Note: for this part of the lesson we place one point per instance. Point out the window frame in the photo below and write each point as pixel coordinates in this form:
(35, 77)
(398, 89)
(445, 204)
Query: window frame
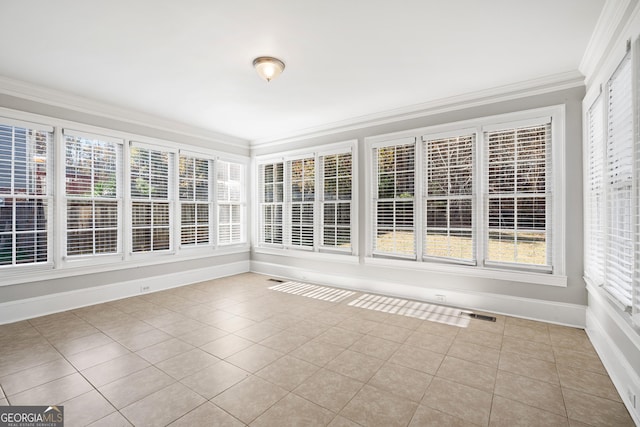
(318, 249)
(323, 201)
(375, 198)
(549, 191)
(48, 197)
(274, 204)
(194, 200)
(557, 277)
(119, 198)
(303, 204)
(629, 307)
(424, 140)
(170, 201)
(242, 203)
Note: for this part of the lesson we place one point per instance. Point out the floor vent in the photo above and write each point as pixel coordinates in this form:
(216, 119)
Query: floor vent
(419, 310)
(313, 291)
(482, 317)
(276, 280)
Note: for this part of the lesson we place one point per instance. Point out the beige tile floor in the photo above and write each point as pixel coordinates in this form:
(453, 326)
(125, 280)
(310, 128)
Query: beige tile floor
(231, 352)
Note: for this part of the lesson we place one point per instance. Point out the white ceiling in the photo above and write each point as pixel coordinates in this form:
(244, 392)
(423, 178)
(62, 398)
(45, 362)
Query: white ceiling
(190, 60)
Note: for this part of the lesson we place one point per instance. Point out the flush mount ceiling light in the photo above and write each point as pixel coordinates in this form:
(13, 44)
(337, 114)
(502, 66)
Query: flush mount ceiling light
(267, 67)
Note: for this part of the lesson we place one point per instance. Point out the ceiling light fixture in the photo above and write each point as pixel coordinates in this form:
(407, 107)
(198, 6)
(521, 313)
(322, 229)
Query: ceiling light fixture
(268, 68)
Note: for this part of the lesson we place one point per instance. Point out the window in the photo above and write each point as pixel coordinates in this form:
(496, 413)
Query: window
(301, 197)
(80, 198)
(25, 192)
(305, 200)
(195, 200)
(230, 202)
(394, 232)
(477, 193)
(518, 195)
(271, 189)
(448, 204)
(594, 194)
(619, 182)
(336, 200)
(611, 221)
(93, 194)
(150, 199)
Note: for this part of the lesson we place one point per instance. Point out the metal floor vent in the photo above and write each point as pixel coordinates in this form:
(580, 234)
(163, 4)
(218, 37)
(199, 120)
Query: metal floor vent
(313, 291)
(419, 310)
(482, 317)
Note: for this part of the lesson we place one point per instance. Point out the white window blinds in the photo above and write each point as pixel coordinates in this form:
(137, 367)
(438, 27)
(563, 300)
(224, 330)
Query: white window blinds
(150, 199)
(393, 200)
(230, 203)
(619, 174)
(25, 201)
(594, 195)
(518, 198)
(93, 194)
(301, 202)
(195, 200)
(336, 196)
(448, 203)
(271, 198)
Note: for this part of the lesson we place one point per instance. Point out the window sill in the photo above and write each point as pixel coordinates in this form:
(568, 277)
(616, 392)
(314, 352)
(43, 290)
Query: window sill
(473, 271)
(625, 321)
(346, 257)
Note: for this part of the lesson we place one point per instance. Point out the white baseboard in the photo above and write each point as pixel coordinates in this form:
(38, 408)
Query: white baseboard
(14, 311)
(621, 371)
(526, 308)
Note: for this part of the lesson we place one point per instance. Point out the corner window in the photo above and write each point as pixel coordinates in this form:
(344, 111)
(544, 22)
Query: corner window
(610, 204)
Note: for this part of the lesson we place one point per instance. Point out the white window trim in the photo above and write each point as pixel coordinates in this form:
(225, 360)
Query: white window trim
(79, 260)
(600, 93)
(39, 126)
(317, 250)
(174, 232)
(322, 202)
(474, 197)
(483, 183)
(211, 193)
(555, 278)
(242, 203)
(257, 224)
(417, 192)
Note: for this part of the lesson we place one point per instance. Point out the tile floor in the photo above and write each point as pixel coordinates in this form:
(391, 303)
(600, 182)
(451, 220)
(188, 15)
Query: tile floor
(230, 352)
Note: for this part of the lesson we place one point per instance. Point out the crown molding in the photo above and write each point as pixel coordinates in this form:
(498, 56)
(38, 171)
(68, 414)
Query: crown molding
(56, 98)
(614, 16)
(532, 87)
